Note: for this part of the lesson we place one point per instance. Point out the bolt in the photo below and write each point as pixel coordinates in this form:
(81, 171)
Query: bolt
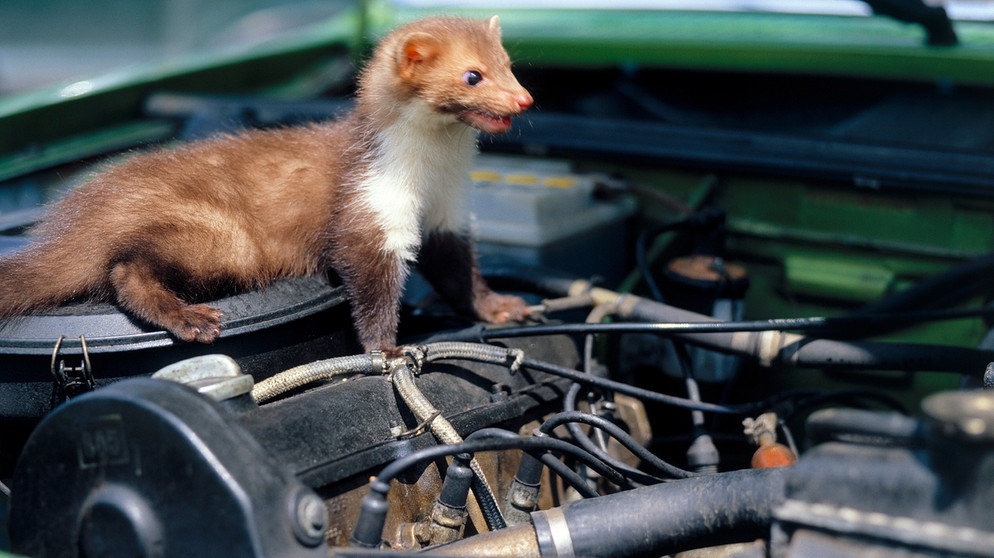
(498, 393)
(311, 519)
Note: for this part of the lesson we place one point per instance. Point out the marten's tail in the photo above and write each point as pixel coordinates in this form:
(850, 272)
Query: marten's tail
(45, 275)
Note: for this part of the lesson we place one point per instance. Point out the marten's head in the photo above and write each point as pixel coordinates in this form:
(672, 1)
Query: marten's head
(456, 67)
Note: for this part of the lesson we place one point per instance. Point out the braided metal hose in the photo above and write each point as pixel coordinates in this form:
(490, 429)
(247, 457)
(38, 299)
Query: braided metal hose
(403, 380)
(299, 376)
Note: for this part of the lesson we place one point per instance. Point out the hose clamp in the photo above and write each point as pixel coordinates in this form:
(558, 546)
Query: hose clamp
(552, 532)
(416, 356)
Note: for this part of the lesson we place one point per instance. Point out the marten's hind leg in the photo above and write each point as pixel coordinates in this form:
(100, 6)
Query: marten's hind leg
(140, 292)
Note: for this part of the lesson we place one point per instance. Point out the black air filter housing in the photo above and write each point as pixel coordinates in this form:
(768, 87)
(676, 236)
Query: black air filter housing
(291, 322)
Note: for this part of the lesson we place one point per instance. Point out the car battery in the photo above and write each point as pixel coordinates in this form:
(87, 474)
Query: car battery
(539, 212)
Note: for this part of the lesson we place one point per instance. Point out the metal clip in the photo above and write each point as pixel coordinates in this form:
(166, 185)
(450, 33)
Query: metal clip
(419, 429)
(70, 381)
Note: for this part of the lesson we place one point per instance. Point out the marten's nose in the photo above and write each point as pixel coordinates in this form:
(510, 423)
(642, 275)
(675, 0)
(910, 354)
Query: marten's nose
(524, 100)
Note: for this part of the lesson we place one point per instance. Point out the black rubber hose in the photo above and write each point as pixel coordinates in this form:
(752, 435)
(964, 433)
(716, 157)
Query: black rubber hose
(945, 289)
(854, 355)
(666, 518)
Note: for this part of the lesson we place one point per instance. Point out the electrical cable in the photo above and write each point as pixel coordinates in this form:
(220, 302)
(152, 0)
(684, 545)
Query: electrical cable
(368, 530)
(580, 454)
(788, 436)
(568, 475)
(772, 347)
(665, 399)
(699, 221)
(572, 417)
(569, 406)
(634, 391)
(702, 454)
(778, 324)
(641, 327)
(641, 256)
(948, 287)
(647, 457)
(767, 340)
(596, 315)
(693, 390)
(658, 195)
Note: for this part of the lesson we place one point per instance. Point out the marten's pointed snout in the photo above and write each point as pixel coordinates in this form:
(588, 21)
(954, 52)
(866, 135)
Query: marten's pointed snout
(524, 101)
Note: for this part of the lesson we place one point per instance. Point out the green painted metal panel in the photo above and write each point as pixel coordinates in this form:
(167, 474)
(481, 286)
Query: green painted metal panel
(294, 67)
(874, 47)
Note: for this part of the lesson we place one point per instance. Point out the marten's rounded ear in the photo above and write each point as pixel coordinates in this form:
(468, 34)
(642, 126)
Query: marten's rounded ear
(417, 48)
(494, 24)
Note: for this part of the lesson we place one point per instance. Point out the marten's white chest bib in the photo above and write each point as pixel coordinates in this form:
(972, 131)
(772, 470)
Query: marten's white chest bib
(416, 178)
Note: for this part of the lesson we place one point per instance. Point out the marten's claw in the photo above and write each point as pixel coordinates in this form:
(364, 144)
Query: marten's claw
(501, 309)
(200, 322)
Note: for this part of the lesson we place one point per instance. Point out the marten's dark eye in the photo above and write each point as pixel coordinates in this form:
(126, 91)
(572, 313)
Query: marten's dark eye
(472, 78)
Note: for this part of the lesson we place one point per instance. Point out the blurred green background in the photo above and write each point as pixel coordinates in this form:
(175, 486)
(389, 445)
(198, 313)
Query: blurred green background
(49, 42)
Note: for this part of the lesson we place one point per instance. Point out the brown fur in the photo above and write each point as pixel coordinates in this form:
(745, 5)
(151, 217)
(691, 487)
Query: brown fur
(164, 228)
(448, 262)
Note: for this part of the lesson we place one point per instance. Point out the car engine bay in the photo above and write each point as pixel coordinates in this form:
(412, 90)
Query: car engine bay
(759, 329)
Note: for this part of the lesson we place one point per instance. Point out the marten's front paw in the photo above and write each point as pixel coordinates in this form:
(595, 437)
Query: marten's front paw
(198, 322)
(500, 309)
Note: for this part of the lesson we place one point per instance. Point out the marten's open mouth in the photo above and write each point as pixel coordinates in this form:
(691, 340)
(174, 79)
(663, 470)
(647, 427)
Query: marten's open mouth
(486, 122)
